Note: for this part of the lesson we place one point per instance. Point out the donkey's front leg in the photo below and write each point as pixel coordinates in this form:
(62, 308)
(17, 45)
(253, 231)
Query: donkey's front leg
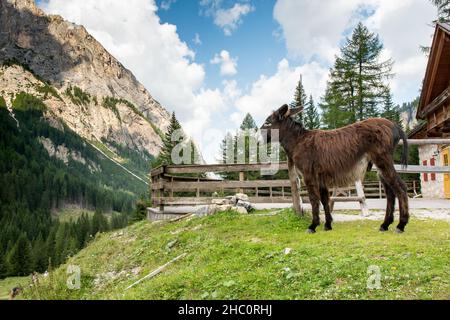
(314, 198)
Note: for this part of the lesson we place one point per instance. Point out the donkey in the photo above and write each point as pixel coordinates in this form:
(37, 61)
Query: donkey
(337, 158)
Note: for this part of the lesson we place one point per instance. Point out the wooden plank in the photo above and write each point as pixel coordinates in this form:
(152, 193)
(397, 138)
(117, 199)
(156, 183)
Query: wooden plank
(216, 185)
(436, 103)
(223, 168)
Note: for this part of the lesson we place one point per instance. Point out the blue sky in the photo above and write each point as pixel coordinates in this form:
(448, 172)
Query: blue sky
(254, 42)
(252, 52)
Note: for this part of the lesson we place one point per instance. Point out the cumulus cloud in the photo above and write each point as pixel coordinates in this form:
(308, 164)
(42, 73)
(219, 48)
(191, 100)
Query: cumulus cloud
(313, 30)
(228, 65)
(270, 92)
(197, 40)
(227, 19)
(133, 33)
(166, 4)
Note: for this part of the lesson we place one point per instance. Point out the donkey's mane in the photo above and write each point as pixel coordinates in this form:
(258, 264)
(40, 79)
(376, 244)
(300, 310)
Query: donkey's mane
(296, 127)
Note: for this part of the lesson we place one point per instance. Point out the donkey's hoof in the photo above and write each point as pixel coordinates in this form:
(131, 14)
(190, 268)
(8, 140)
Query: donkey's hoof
(383, 229)
(310, 231)
(399, 231)
(328, 228)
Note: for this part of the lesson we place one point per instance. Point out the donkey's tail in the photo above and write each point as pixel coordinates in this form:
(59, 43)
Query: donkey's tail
(401, 135)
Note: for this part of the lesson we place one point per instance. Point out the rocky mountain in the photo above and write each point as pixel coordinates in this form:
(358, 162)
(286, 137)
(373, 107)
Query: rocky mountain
(80, 82)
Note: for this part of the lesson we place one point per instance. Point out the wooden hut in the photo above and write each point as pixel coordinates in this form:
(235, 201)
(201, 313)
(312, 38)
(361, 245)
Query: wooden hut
(433, 114)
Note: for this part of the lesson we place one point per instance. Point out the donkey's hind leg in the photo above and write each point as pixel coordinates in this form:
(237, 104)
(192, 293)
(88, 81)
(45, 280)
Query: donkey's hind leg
(390, 199)
(399, 188)
(314, 199)
(325, 199)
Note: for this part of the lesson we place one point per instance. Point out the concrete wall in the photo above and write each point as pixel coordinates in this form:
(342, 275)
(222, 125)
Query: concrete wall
(432, 189)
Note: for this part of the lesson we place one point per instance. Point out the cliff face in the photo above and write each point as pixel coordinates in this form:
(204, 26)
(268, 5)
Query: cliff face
(96, 96)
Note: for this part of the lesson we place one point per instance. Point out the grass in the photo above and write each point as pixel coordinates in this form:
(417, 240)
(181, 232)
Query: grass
(242, 257)
(7, 284)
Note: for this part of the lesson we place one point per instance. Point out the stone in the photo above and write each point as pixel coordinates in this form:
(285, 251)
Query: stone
(242, 196)
(240, 210)
(245, 204)
(226, 207)
(231, 199)
(207, 210)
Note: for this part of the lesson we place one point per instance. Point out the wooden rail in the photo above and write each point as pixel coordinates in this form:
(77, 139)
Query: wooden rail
(170, 189)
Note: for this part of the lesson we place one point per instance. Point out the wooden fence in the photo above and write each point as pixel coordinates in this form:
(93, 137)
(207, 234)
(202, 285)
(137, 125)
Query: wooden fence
(168, 188)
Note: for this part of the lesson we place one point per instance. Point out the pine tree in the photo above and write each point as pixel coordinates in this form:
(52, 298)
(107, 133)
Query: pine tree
(300, 99)
(3, 268)
(390, 111)
(311, 116)
(443, 10)
(358, 79)
(165, 156)
(20, 258)
(40, 255)
(248, 123)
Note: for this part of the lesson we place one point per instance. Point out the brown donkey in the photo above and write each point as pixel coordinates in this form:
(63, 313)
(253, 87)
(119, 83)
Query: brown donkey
(337, 158)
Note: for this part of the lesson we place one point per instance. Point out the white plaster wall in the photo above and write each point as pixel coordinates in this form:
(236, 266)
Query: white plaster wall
(432, 189)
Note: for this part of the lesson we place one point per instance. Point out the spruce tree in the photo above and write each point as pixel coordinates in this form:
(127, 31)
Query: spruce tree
(3, 268)
(300, 99)
(358, 79)
(165, 156)
(443, 7)
(311, 115)
(20, 258)
(390, 111)
(40, 255)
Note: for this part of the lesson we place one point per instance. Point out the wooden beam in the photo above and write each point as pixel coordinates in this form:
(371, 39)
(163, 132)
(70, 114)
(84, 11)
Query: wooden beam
(294, 188)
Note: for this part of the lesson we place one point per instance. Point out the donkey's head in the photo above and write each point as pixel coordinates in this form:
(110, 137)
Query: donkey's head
(277, 118)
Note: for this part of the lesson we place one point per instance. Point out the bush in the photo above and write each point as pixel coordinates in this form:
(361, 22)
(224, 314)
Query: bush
(27, 102)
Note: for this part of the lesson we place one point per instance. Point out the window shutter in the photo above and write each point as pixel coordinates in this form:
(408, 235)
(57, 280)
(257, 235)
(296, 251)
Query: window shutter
(425, 175)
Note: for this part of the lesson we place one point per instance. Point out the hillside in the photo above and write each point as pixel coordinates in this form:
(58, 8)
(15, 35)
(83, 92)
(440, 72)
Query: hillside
(244, 257)
(77, 132)
(67, 57)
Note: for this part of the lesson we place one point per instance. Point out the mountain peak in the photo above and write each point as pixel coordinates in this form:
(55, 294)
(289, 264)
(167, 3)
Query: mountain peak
(66, 56)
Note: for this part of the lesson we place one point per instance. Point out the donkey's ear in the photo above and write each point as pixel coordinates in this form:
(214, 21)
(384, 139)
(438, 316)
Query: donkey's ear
(283, 112)
(295, 111)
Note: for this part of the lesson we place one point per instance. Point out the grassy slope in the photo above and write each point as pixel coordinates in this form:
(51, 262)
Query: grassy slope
(241, 257)
(7, 284)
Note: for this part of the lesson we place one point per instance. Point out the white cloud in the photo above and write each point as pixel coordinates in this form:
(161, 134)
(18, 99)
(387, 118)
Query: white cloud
(269, 93)
(227, 19)
(314, 30)
(133, 33)
(166, 4)
(197, 40)
(228, 65)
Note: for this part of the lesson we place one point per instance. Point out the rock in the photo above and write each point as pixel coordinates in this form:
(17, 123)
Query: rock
(220, 202)
(64, 54)
(240, 210)
(245, 204)
(287, 251)
(207, 210)
(232, 200)
(242, 196)
(226, 207)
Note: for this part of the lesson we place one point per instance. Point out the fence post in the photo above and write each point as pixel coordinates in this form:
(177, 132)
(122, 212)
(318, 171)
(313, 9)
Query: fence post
(241, 179)
(294, 188)
(379, 189)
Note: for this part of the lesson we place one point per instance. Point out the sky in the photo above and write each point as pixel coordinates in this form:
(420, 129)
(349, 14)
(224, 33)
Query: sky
(212, 61)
